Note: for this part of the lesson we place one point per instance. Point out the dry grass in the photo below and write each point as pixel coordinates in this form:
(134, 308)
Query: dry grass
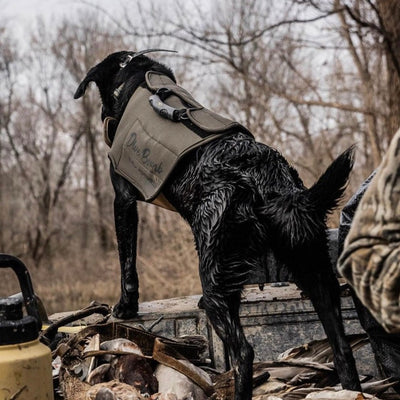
(167, 266)
(72, 282)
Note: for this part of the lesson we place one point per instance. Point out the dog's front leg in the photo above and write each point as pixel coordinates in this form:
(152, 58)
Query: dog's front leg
(126, 224)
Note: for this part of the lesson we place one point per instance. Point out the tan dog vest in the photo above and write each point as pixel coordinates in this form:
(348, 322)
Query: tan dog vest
(147, 146)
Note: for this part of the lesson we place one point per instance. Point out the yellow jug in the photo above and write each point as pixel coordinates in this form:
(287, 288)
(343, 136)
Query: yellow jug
(25, 363)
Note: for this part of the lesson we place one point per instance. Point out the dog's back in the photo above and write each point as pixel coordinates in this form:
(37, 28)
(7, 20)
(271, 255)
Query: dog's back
(261, 187)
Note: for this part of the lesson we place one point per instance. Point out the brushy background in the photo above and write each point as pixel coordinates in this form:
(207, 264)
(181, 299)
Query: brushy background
(308, 78)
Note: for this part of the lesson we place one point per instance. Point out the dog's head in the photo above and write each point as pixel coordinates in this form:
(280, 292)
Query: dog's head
(118, 76)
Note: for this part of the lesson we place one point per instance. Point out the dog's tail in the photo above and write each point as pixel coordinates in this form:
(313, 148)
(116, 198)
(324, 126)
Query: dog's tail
(296, 218)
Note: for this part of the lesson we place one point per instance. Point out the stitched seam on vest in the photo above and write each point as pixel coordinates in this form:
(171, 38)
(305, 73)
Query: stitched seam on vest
(198, 131)
(155, 139)
(125, 175)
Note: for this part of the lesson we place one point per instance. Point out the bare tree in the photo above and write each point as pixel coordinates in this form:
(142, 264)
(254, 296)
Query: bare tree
(8, 57)
(42, 150)
(270, 73)
(379, 19)
(79, 46)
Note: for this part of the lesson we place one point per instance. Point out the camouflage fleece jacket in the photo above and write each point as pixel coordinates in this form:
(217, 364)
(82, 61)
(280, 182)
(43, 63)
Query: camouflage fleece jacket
(370, 261)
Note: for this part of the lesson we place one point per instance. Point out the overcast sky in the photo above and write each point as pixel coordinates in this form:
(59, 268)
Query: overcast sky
(19, 14)
(25, 10)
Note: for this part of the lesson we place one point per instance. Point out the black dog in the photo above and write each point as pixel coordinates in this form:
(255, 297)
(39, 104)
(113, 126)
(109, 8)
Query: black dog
(241, 199)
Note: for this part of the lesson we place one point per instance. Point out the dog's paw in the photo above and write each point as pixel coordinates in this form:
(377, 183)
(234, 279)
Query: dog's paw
(125, 311)
(200, 304)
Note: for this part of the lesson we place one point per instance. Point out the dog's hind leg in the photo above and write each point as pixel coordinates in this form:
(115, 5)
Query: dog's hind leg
(223, 313)
(315, 277)
(126, 223)
(221, 246)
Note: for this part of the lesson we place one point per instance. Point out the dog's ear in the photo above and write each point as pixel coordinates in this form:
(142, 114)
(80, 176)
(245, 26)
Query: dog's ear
(90, 77)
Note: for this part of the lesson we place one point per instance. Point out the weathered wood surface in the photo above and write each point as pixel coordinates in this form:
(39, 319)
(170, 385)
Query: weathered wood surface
(274, 320)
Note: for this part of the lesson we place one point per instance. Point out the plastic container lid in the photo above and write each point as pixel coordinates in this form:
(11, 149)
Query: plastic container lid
(10, 309)
(14, 328)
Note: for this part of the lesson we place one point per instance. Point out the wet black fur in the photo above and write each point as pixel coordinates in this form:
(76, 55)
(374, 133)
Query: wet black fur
(241, 199)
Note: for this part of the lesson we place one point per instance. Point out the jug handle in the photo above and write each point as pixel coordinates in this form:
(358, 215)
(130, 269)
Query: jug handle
(25, 282)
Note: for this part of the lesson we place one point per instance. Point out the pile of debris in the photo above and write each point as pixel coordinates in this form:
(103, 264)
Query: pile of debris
(116, 362)
(306, 372)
